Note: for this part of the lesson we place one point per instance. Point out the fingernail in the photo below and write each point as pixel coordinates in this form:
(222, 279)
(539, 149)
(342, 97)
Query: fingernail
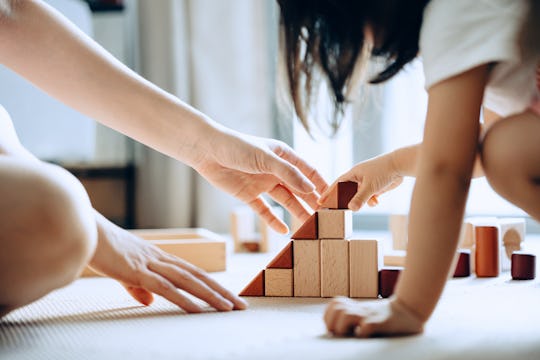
(226, 305)
(241, 304)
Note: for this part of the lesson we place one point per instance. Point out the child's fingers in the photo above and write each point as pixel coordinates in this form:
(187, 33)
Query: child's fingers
(363, 194)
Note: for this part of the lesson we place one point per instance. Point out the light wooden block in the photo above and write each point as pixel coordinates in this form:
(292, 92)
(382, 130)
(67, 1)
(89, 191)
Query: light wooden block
(334, 267)
(364, 265)
(197, 246)
(269, 235)
(395, 258)
(512, 234)
(243, 227)
(278, 282)
(399, 227)
(334, 224)
(307, 264)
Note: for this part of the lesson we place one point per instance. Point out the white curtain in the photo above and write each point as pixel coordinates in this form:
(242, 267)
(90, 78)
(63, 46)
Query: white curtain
(215, 55)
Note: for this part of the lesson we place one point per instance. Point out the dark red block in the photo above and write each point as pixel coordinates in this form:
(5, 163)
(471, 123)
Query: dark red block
(388, 278)
(346, 191)
(523, 266)
(463, 265)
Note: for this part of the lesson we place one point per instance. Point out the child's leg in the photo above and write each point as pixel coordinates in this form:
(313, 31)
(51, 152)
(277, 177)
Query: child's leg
(511, 160)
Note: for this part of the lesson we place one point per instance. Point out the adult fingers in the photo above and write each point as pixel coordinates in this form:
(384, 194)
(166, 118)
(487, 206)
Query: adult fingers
(286, 198)
(261, 207)
(239, 303)
(291, 176)
(186, 281)
(163, 287)
(143, 296)
(309, 171)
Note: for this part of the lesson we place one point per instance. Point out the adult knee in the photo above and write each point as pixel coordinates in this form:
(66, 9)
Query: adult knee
(48, 230)
(67, 219)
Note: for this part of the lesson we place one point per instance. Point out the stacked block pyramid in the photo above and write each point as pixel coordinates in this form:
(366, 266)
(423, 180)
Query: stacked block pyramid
(324, 259)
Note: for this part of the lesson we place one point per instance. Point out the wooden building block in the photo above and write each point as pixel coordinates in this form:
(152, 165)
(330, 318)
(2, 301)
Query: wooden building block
(395, 258)
(340, 195)
(463, 263)
(487, 251)
(307, 265)
(512, 235)
(388, 278)
(335, 224)
(201, 247)
(334, 267)
(364, 265)
(255, 287)
(309, 230)
(278, 282)
(243, 227)
(283, 260)
(467, 239)
(523, 266)
(399, 227)
(267, 234)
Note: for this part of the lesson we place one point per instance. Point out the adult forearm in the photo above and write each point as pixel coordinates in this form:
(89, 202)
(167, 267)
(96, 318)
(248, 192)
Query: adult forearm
(42, 46)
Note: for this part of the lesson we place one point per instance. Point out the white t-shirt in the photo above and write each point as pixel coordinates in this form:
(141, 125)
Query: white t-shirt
(458, 35)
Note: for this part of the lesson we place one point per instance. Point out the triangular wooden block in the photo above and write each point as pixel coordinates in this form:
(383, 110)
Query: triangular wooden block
(309, 230)
(283, 260)
(255, 287)
(340, 195)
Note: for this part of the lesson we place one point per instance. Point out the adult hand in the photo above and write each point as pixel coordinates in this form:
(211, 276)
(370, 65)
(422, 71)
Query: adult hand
(248, 166)
(144, 269)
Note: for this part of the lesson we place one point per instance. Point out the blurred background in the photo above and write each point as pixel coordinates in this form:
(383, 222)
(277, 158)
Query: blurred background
(220, 57)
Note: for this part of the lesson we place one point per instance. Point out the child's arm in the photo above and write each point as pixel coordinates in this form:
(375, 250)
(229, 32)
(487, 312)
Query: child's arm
(444, 171)
(41, 45)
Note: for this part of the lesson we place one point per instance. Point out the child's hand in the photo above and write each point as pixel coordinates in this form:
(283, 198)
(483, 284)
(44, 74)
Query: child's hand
(374, 177)
(346, 317)
(144, 269)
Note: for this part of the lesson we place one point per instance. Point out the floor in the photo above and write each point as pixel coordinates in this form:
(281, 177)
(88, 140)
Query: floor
(95, 319)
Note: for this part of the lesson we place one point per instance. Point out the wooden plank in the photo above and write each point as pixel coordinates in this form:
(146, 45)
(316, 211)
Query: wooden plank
(334, 267)
(278, 282)
(364, 265)
(399, 227)
(307, 262)
(395, 258)
(335, 224)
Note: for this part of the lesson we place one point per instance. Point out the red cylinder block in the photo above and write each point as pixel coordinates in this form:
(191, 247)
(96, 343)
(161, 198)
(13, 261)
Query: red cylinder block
(523, 266)
(487, 251)
(463, 265)
(388, 278)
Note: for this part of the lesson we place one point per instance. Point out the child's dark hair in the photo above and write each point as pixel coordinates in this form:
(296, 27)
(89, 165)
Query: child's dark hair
(329, 35)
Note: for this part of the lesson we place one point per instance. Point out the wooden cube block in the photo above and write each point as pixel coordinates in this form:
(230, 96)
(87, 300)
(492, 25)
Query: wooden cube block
(255, 287)
(278, 282)
(334, 224)
(334, 267)
(395, 258)
(307, 268)
(364, 264)
(463, 263)
(399, 227)
(243, 227)
(309, 230)
(388, 278)
(340, 195)
(487, 251)
(523, 266)
(512, 235)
